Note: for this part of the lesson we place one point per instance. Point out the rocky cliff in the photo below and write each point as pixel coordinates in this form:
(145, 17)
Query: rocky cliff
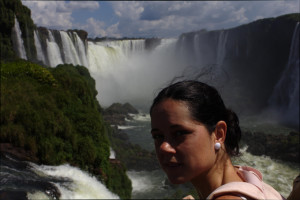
(247, 61)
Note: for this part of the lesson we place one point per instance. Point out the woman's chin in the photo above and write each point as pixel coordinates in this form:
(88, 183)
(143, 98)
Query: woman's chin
(177, 180)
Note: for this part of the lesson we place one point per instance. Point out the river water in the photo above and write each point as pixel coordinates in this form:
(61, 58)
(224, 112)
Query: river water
(67, 182)
(278, 174)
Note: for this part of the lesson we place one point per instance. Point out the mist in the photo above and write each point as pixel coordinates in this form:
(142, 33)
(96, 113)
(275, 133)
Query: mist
(254, 73)
(133, 76)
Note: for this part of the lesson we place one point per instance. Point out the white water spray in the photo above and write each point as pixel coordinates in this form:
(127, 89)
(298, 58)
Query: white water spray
(122, 78)
(197, 48)
(222, 47)
(81, 50)
(112, 153)
(18, 41)
(285, 97)
(77, 184)
(39, 51)
(54, 55)
(71, 55)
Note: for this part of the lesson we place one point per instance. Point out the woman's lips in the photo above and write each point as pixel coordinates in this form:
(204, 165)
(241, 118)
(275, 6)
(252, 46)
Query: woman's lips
(172, 164)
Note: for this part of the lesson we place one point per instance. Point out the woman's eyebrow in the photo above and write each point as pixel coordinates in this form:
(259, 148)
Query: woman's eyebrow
(177, 126)
(172, 127)
(154, 130)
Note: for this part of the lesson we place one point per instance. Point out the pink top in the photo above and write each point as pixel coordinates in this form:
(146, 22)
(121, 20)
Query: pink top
(252, 188)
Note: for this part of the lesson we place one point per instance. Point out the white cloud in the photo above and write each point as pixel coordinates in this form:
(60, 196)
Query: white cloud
(45, 13)
(175, 17)
(56, 14)
(97, 28)
(156, 18)
(87, 5)
(129, 10)
(113, 31)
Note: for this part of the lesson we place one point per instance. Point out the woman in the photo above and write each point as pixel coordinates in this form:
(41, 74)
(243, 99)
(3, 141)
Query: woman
(195, 135)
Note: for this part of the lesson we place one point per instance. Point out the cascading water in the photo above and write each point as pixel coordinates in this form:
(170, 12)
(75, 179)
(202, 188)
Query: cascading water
(54, 55)
(18, 41)
(81, 50)
(71, 55)
(221, 49)
(39, 50)
(124, 71)
(128, 47)
(49, 182)
(102, 57)
(285, 97)
(75, 183)
(112, 154)
(196, 47)
(118, 73)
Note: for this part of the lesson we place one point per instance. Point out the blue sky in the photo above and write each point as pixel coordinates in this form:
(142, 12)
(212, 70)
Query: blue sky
(152, 18)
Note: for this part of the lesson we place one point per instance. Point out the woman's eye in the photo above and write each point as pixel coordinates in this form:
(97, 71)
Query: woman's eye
(179, 133)
(157, 136)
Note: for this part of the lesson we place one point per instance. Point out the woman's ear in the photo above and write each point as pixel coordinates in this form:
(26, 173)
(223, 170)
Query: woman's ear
(220, 131)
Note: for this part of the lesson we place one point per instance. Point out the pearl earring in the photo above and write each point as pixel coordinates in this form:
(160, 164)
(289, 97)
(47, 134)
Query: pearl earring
(217, 146)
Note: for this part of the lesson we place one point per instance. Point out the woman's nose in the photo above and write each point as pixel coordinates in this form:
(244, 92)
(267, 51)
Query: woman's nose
(167, 147)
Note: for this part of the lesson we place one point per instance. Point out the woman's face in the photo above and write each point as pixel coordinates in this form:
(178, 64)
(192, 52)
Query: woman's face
(184, 147)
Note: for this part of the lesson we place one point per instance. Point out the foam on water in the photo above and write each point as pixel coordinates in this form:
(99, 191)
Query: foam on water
(148, 184)
(37, 195)
(77, 184)
(278, 174)
(141, 117)
(126, 127)
(112, 153)
(18, 41)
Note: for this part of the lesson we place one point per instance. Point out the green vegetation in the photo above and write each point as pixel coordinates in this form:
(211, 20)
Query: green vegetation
(53, 112)
(9, 9)
(133, 156)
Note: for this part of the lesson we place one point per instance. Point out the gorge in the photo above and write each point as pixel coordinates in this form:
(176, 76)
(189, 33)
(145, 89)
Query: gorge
(255, 67)
(245, 63)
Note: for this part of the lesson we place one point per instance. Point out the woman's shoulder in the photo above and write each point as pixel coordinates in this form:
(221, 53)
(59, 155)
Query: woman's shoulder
(229, 197)
(253, 187)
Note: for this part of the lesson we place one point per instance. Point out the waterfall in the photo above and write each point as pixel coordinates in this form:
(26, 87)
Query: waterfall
(50, 182)
(138, 45)
(103, 56)
(182, 47)
(115, 64)
(70, 52)
(128, 47)
(112, 153)
(221, 49)
(197, 47)
(74, 184)
(117, 67)
(39, 50)
(285, 95)
(18, 42)
(54, 55)
(81, 50)
(167, 45)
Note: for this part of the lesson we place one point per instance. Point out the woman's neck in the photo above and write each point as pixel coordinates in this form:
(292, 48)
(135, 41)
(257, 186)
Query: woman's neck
(218, 175)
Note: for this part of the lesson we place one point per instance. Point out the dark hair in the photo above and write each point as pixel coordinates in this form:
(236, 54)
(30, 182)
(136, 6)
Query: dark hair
(206, 106)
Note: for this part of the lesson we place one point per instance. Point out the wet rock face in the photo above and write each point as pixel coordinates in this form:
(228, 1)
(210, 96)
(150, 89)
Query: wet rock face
(17, 152)
(22, 178)
(117, 113)
(282, 147)
(121, 109)
(152, 43)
